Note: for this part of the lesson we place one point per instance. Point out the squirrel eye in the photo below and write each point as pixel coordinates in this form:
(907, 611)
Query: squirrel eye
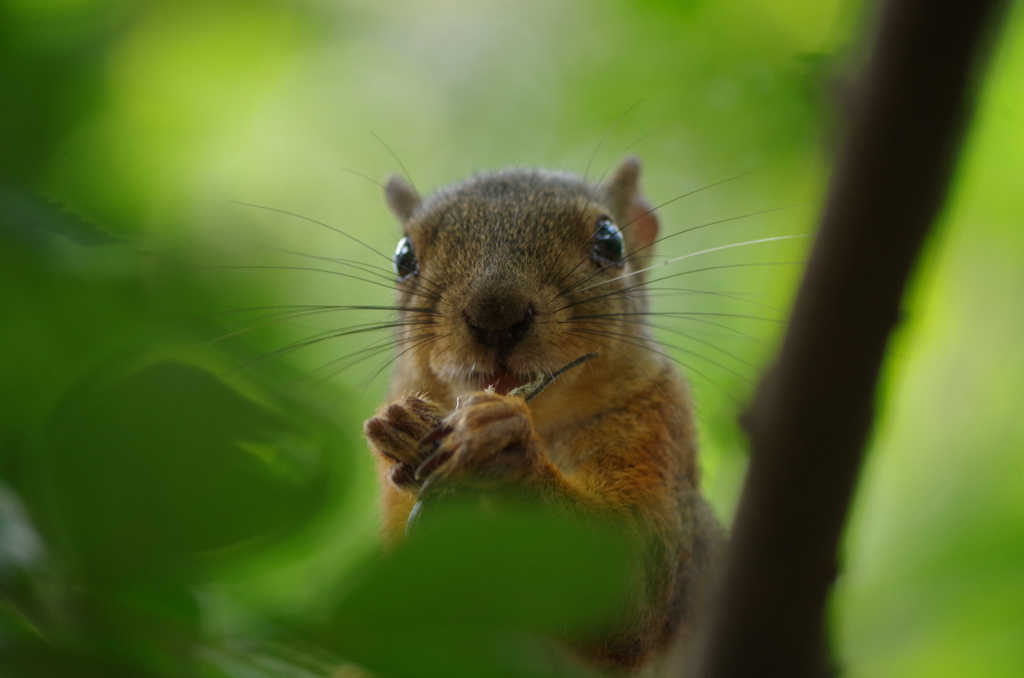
(608, 246)
(405, 263)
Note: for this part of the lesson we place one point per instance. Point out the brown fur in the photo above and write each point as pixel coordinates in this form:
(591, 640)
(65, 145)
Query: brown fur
(613, 438)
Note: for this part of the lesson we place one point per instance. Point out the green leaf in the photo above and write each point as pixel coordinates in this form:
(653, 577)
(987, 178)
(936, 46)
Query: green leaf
(145, 474)
(472, 588)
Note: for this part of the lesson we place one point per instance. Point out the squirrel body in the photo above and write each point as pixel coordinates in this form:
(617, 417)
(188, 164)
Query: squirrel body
(510, 275)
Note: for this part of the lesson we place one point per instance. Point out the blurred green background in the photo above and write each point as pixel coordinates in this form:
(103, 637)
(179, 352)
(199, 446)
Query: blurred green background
(183, 487)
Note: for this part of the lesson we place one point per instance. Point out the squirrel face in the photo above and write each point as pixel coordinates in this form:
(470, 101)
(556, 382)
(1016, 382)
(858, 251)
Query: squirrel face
(511, 275)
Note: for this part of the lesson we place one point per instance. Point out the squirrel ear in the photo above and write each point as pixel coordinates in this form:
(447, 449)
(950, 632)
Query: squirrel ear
(629, 204)
(401, 197)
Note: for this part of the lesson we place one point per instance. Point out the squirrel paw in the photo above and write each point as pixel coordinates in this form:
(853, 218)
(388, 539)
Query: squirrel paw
(396, 435)
(488, 441)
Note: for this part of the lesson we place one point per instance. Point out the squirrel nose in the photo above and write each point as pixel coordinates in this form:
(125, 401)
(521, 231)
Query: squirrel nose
(500, 324)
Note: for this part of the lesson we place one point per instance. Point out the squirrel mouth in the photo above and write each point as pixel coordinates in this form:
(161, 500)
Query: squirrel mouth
(502, 381)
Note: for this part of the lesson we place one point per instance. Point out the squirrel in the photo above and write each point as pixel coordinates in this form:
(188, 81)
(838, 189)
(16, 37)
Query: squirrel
(508, 276)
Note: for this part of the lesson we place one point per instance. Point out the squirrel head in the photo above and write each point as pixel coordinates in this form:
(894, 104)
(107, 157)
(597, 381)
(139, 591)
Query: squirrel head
(512, 274)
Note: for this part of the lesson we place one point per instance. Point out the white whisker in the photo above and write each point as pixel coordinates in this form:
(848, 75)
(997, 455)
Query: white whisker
(693, 254)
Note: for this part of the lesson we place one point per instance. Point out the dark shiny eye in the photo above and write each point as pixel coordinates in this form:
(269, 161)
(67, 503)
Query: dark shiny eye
(405, 259)
(608, 247)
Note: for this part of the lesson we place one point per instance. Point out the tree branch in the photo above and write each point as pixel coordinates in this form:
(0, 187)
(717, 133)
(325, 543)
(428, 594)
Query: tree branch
(812, 415)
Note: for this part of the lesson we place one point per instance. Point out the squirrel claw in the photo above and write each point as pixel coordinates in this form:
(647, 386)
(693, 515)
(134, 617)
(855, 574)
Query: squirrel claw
(489, 441)
(431, 464)
(396, 433)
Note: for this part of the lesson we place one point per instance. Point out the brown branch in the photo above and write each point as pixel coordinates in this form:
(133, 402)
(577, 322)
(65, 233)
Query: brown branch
(811, 418)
